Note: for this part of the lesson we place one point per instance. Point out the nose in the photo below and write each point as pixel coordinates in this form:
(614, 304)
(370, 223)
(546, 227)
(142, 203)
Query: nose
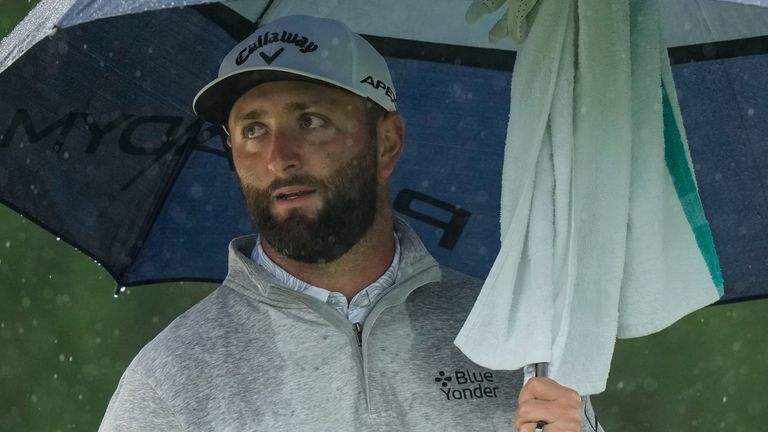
(284, 154)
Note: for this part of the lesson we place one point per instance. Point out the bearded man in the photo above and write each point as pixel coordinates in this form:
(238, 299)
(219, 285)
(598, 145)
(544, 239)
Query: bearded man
(334, 317)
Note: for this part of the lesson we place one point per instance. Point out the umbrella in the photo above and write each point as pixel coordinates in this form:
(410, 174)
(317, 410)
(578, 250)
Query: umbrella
(455, 214)
(98, 144)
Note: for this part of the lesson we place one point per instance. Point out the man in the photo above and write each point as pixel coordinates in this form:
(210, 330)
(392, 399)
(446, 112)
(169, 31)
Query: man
(334, 317)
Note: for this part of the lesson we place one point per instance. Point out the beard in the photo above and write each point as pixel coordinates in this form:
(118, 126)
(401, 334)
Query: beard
(349, 195)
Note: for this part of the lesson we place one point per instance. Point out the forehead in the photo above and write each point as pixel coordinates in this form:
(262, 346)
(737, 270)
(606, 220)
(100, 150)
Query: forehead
(287, 96)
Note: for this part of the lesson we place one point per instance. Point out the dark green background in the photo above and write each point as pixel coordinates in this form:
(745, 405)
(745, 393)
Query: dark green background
(65, 340)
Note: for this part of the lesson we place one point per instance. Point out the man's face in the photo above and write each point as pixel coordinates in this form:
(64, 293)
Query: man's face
(306, 160)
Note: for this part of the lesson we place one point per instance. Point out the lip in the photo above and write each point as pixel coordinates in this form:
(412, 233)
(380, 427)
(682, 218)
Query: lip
(292, 193)
(293, 196)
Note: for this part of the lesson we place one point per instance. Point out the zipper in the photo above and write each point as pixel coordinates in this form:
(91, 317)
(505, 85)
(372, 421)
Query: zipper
(359, 333)
(357, 328)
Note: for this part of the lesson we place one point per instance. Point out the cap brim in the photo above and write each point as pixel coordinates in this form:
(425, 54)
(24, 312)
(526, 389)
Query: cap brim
(215, 100)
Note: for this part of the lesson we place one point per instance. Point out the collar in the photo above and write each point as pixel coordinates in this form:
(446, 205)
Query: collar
(357, 308)
(416, 267)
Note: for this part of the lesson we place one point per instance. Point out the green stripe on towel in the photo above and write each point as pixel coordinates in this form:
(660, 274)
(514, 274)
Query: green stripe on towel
(682, 178)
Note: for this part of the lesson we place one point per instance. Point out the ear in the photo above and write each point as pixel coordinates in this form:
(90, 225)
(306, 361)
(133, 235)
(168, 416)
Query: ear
(390, 133)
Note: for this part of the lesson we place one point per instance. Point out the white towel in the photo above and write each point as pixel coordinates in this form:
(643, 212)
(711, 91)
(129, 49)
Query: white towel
(595, 243)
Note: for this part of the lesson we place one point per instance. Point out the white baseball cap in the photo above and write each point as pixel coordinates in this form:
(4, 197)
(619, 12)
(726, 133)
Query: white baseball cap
(300, 48)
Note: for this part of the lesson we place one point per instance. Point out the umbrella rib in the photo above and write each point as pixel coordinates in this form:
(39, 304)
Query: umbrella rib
(263, 13)
(718, 50)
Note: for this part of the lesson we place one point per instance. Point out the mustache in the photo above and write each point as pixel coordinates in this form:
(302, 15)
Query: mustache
(296, 180)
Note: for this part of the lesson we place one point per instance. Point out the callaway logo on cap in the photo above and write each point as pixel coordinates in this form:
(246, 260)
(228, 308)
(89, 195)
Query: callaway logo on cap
(298, 48)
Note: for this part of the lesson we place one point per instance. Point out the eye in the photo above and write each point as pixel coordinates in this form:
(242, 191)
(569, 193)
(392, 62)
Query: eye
(253, 131)
(311, 121)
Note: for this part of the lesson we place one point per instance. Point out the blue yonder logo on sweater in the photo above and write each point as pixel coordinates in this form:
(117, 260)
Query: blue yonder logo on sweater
(466, 384)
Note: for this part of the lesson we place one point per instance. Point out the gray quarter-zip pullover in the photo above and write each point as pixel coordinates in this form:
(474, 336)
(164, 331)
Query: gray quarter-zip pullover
(256, 356)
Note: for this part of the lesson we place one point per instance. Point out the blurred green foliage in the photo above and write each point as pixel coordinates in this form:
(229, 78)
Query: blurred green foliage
(707, 372)
(11, 12)
(65, 338)
(65, 341)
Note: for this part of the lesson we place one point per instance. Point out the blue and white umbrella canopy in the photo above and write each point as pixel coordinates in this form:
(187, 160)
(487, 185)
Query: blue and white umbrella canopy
(99, 145)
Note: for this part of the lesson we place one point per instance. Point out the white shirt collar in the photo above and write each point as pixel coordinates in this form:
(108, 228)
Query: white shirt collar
(355, 310)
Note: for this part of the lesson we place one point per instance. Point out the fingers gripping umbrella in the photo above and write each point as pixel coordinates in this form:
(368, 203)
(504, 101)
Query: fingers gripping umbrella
(98, 143)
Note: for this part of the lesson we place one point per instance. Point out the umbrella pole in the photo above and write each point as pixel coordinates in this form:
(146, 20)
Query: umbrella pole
(540, 370)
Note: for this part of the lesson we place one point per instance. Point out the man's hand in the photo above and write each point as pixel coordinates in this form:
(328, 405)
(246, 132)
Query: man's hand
(542, 399)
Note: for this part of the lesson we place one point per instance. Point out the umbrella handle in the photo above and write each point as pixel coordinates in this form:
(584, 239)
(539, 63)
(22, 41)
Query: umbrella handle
(540, 370)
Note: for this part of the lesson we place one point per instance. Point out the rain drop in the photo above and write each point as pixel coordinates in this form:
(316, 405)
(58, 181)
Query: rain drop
(751, 112)
(650, 384)
(7, 243)
(62, 300)
(196, 191)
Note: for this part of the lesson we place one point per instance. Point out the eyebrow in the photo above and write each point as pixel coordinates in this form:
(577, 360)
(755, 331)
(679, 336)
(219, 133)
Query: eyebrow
(250, 115)
(297, 106)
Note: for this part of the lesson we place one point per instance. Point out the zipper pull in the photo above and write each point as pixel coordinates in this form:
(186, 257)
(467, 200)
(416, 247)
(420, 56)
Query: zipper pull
(359, 333)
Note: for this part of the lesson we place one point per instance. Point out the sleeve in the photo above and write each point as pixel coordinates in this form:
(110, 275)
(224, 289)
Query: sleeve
(589, 421)
(137, 406)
